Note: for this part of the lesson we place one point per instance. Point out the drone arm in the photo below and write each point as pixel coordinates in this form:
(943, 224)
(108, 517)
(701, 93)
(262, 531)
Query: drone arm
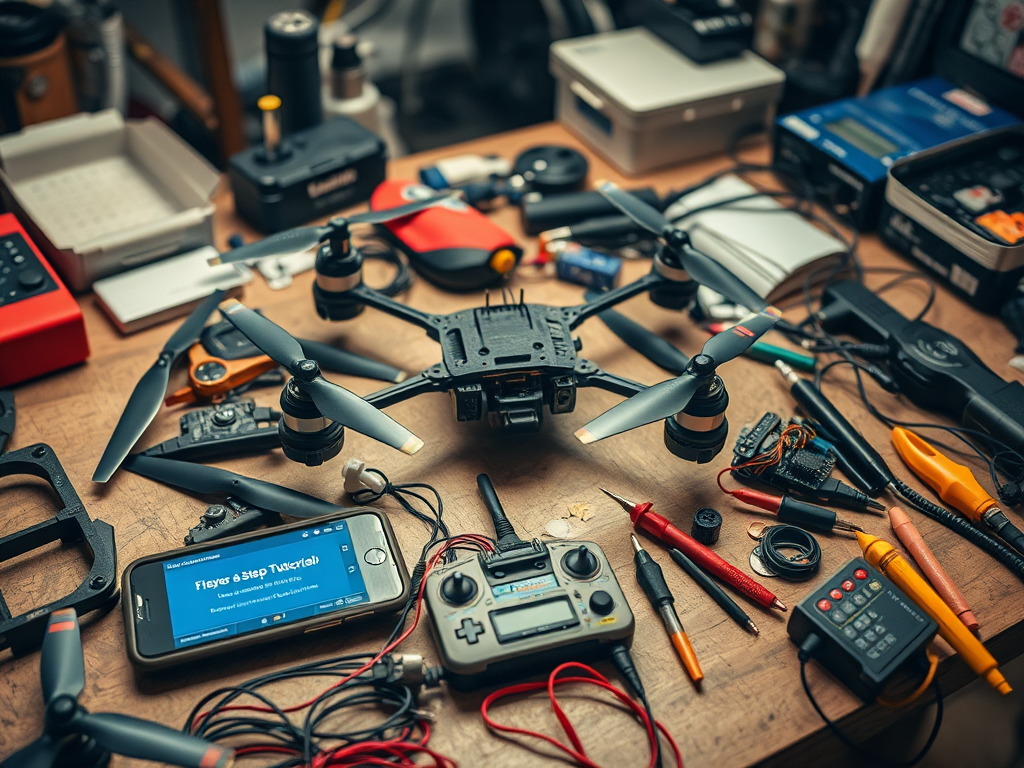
(419, 384)
(589, 375)
(371, 298)
(610, 299)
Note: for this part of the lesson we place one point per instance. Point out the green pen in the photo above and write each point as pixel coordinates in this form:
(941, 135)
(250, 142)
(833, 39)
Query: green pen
(769, 353)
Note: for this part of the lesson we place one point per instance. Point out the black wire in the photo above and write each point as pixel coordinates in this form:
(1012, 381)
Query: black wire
(380, 250)
(873, 757)
(799, 567)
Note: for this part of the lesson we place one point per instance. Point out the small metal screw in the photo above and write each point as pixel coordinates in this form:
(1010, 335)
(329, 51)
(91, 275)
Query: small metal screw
(98, 582)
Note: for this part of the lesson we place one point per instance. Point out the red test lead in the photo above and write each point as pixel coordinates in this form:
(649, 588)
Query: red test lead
(644, 518)
(799, 513)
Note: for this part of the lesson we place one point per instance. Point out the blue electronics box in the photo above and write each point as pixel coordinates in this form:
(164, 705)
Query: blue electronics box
(844, 149)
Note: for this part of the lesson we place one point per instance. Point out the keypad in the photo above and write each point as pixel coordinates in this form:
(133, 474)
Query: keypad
(22, 276)
(849, 606)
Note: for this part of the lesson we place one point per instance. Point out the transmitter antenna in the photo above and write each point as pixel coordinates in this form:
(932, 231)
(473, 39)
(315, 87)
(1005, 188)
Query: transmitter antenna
(503, 530)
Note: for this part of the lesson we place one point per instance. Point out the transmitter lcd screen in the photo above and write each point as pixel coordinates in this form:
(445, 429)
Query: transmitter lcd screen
(261, 583)
(534, 619)
(862, 137)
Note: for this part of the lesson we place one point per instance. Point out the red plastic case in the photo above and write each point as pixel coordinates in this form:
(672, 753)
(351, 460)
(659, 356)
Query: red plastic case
(41, 329)
(452, 245)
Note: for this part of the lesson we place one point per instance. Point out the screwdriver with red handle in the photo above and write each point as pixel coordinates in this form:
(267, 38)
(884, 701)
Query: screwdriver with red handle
(644, 518)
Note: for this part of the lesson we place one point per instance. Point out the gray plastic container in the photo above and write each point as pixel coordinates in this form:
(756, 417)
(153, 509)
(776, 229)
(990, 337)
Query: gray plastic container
(641, 104)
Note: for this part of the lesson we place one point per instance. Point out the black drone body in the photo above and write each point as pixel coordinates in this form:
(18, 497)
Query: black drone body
(509, 362)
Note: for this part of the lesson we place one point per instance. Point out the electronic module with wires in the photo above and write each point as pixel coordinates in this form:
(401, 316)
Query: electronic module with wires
(790, 455)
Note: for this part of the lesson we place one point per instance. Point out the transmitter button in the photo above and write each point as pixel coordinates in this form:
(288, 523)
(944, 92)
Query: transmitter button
(375, 556)
(470, 631)
(601, 603)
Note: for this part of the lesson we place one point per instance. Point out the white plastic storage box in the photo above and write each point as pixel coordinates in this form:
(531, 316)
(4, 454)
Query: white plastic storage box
(641, 104)
(100, 195)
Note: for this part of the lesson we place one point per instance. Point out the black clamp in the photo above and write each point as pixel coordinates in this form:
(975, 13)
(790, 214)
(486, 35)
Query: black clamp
(70, 525)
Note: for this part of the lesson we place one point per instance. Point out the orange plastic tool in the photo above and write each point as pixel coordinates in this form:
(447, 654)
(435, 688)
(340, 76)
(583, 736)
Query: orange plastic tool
(955, 483)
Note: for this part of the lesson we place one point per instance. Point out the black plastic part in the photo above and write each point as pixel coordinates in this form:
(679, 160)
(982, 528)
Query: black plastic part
(651, 579)
(703, 32)
(601, 603)
(7, 417)
(332, 166)
(458, 589)
(699, 447)
(707, 525)
(293, 68)
(563, 210)
(70, 525)
(804, 515)
(1007, 531)
(551, 169)
(309, 448)
(580, 562)
(503, 530)
(220, 521)
(206, 433)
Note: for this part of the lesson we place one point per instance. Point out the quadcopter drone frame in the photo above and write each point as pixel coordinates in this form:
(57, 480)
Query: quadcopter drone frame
(511, 360)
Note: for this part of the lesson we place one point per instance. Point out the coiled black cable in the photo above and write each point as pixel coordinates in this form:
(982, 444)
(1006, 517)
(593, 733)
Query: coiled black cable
(795, 567)
(962, 527)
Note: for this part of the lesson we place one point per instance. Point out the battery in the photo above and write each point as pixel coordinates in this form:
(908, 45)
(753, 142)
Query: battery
(591, 269)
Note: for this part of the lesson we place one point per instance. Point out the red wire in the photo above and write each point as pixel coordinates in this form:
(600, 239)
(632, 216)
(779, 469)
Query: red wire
(439, 760)
(577, 753)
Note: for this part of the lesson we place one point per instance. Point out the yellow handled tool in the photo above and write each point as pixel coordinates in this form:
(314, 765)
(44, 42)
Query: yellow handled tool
(955, 484)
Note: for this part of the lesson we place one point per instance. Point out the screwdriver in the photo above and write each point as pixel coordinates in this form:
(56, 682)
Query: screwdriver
(794, 512)
(716, 593)
(651, 579)
(644, 518)
(955, 484)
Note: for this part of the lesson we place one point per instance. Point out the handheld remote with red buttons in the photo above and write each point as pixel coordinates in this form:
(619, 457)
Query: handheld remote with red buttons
(869, 627)
(453, 245)
(41, 327)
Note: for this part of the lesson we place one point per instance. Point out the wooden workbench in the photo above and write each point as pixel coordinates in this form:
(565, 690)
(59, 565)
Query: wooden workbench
(752, 708)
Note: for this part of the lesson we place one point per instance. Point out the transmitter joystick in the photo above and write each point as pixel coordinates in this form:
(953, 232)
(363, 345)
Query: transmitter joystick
(580, 562)
(458, 589)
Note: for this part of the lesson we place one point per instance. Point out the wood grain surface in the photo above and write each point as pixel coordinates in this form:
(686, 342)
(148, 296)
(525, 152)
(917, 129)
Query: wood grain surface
(752, 707)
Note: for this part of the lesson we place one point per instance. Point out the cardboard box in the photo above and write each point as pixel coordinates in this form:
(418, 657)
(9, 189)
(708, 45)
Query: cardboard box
(100, 195)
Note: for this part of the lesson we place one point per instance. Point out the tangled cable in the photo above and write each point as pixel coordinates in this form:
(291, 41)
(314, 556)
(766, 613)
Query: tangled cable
(577, 752)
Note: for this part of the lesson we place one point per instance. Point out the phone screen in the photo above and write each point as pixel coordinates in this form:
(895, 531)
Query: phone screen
(250, 586)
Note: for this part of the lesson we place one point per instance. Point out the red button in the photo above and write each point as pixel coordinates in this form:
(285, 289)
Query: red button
(835, 594)
(860, 573)
(848, 586)
(824, 605)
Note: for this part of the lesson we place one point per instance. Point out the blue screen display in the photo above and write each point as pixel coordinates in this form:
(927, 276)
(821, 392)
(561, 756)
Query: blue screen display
(262, 583)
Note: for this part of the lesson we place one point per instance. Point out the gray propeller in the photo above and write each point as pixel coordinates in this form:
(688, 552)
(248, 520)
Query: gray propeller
(664, 400)
(149, 393)
(304, 238)
(699, 266)
(333, 401)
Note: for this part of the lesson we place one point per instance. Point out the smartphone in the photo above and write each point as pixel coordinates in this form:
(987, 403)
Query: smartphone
(198, 601)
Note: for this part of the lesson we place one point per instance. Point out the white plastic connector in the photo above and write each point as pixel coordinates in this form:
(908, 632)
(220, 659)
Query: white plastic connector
(358, 479)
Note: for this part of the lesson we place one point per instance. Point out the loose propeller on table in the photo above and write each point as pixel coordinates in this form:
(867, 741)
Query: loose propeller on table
(304, 238)
(697, 265)
(664, 400)
(62, 672)
(333, 401)
(149, 393)
(199, 478)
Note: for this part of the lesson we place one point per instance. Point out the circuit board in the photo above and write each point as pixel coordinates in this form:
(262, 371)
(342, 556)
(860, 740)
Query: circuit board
(798, 469)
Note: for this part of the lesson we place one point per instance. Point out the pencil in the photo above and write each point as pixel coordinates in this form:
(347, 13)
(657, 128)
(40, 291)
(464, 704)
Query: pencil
(717, 594)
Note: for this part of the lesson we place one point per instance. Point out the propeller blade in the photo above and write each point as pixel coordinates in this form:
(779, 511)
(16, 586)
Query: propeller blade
(292, 241)
(341, 361)
(273, 340)
(188, 332)
(148, 395)
(390, 214)
(731, 343)
(709, 272)
(644, 341)
(645, 407)
(349, 409)
(132, 737)
(61, 664)
(39, 754)
(646, 216)
(142, 406)
(199, 478)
